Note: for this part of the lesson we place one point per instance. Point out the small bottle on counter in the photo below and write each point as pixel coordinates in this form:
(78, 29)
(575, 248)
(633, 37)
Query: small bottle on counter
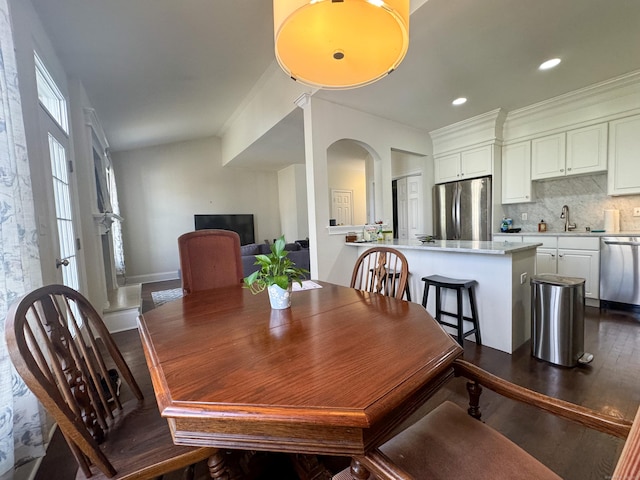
(542, 227)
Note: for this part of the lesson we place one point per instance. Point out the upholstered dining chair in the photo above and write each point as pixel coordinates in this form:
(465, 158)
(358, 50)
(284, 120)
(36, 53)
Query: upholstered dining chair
(449, 443)
(209, 259)
(60, 346)
(381, 270)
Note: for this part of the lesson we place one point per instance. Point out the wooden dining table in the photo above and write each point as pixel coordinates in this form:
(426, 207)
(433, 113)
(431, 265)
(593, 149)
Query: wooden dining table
(335, 374)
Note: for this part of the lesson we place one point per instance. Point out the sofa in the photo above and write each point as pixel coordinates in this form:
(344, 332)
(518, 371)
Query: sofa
(298, 253)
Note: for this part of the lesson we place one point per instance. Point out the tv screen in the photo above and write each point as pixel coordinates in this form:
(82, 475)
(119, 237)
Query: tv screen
(241, 224)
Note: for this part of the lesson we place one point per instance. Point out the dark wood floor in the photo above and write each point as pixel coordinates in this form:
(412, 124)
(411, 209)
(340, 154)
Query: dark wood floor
(609, 384)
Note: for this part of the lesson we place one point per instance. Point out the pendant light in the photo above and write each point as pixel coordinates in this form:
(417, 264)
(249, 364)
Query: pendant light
(339, 44)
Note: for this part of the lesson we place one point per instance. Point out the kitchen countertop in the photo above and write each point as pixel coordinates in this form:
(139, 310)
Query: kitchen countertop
(573, 233)
(457, 246)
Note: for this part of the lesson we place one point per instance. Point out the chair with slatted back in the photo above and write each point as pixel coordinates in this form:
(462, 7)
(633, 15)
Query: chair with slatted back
(209, 259)
(449, 443)
(382, 270)
(66, 356)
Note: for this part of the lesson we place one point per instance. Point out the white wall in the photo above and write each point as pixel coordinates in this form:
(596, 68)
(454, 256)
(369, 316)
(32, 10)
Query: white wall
(292, 194)
(162, 187)
(324, 124)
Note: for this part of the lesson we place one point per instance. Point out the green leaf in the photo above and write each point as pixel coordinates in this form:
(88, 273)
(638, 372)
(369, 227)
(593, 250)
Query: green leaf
(282, 281)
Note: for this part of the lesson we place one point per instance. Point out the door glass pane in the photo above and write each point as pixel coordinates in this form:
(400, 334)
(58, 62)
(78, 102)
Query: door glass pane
(64, 216)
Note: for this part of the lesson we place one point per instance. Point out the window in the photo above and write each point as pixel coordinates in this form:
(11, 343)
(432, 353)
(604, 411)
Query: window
(50, 96)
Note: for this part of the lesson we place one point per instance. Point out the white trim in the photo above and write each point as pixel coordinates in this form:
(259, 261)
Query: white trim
(477, 131)
(91, 120)
(50, 84)
(153, 277)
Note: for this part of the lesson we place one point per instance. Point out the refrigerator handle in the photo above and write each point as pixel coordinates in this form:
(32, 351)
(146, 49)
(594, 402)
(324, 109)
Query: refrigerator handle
(456, 217)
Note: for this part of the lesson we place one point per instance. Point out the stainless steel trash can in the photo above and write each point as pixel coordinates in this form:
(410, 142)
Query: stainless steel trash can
(557, 319)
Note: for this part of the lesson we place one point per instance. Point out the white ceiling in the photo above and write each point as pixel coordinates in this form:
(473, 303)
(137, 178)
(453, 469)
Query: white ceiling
(159, 71)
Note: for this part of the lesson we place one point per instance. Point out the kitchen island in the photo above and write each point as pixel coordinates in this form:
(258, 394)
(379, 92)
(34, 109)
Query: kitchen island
(502, 270)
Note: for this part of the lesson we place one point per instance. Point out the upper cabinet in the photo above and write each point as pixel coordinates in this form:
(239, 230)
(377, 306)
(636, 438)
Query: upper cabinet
(476, 162)
(624, 156)
(548, 157)
(516, 173)
(583, 150)
(587, 149)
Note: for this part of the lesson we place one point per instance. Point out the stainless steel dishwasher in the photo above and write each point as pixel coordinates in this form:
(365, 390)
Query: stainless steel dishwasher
(620, 270)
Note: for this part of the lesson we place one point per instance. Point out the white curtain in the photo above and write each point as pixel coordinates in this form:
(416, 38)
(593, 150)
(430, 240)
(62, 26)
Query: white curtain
(116, 227)
(21, 437)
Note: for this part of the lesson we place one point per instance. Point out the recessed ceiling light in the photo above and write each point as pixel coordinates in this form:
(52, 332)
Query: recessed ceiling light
(459, 101)
(554, 62)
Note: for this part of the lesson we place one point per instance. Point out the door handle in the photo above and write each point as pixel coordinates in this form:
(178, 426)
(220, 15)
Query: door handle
(633, 244)
(62, 263)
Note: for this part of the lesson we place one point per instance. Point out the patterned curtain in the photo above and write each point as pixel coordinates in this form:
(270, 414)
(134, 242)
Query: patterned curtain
(21, 437)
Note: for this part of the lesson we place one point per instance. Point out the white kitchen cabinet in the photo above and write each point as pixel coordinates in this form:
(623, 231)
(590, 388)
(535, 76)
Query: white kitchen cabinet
(570, 256)
(548, 156)
(472, 163)
(587, 149)
(624, 156)
(516, 173)
(507, 237)
(547, 254)
(546, 260)
(578, 151)
(583, 264)
(447, 168)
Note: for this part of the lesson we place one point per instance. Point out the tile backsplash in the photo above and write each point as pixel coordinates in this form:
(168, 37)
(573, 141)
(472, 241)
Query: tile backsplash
(586, 196)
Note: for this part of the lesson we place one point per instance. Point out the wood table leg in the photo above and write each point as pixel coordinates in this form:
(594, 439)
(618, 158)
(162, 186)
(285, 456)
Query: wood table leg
(358, 472)
(308, 467)
(217, 467)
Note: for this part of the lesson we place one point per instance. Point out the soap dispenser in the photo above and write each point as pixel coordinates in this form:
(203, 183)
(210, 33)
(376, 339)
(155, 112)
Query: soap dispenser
(542, 227)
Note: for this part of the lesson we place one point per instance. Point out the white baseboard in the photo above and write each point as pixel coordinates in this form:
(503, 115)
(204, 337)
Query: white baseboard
(153, 277)
(592, 302)
(121, 320)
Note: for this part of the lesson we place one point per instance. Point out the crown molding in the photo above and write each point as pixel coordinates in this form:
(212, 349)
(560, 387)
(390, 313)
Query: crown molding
(485, 128)
(599, 102)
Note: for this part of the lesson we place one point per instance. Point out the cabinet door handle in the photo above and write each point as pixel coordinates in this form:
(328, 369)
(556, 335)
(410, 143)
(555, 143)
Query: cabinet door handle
(569, 169)
(560, 255)
(562, 169)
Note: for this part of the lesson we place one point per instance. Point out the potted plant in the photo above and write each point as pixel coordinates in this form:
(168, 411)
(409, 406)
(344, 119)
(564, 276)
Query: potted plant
(277, 272)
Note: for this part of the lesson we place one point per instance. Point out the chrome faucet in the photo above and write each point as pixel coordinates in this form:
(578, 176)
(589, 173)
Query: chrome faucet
(567, 224)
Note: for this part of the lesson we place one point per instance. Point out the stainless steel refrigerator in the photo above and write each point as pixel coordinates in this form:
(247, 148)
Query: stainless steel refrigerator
(462, 210)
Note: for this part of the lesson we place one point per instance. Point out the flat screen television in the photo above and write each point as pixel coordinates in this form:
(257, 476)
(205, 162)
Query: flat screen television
(242, 224)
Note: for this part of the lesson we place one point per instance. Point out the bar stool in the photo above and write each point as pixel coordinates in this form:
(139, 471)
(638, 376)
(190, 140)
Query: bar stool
(407, 292)
(396, 275)
(441, 282)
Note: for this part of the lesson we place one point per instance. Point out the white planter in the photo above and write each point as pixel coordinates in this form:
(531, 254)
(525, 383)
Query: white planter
(279, 298)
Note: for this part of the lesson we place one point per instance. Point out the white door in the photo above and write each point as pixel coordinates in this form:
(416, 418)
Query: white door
(342, 206)
(415, 202)
(64, 228)
(55, 137)
(403, 208)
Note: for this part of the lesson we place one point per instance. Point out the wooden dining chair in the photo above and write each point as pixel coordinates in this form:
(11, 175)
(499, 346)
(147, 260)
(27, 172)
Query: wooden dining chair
(449, 443)
(209, 259)
(66, 356)
(382, 270)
